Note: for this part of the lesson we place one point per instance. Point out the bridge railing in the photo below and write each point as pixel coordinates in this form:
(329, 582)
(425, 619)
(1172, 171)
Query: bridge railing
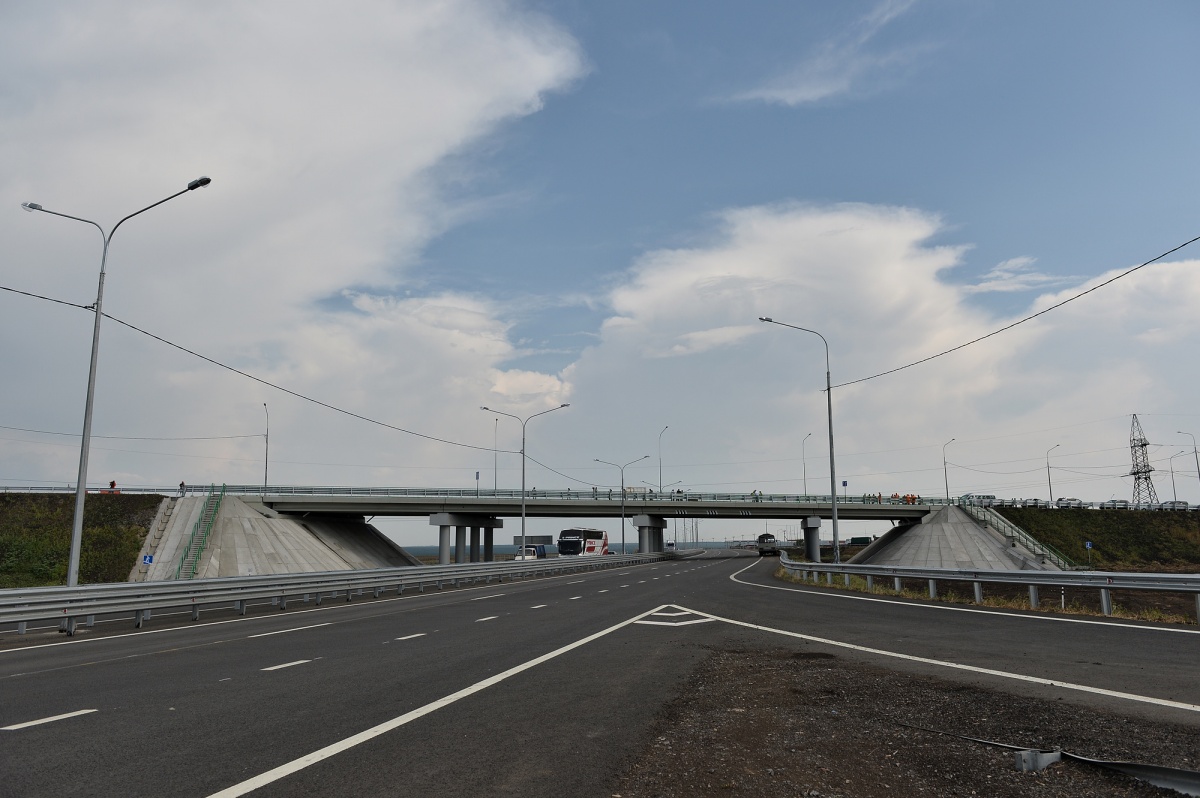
(66, 604)
(1103, 581)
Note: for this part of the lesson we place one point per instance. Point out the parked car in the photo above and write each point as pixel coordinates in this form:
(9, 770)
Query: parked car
(1176, 505)
(1034, 503)
(1068, 504)
(1114, 504)
(978, 499)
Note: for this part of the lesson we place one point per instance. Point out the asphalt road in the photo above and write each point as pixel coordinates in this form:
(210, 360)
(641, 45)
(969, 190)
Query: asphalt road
(539, 688)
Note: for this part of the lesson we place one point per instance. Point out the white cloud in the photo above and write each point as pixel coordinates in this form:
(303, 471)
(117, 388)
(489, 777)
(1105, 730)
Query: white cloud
(841, 64)
(1016, 274)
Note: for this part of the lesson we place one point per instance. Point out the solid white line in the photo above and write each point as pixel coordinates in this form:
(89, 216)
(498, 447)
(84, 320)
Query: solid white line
(295, 765)
(494, 595)
(489, 618)
(677, 623)
(410, 637)
(287, 665)
(284, 631)
(947, 608)
(1163, 702)
(29, 723)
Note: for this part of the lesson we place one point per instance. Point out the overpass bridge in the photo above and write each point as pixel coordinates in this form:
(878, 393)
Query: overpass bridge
(483, 510)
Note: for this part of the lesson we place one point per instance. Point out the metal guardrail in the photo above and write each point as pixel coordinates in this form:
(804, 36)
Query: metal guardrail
(990, 517)
(1104, 581)
(67, 604)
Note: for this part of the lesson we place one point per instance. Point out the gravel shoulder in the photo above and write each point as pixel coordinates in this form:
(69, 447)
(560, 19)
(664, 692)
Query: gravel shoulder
(778, 722)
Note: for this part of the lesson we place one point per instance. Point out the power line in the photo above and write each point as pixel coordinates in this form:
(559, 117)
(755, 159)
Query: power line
(131, 438)
(1021, 321)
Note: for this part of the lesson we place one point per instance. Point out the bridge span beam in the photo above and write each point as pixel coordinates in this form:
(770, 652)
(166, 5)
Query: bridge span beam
(461, 522)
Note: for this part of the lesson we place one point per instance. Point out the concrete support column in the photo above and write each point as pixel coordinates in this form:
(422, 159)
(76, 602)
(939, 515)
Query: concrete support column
(488, 554)
(443, 545)
(650, 532)
(460, 544)
(474, 544)
(812, 538)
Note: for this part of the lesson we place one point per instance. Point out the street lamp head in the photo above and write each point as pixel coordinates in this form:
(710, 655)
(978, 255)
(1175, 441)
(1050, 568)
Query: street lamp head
(486, 408)
(31, 206)
(765, 318)
(199, 182)
(565, 404)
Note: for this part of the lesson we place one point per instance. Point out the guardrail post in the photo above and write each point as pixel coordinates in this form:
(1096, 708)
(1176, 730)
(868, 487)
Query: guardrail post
(978, 592)
(240, 606)
(1106, 601)
(318, 598)
(1033, 597)
(90, 621)
(137, 620)
(870, 584)
(21, 626)
(829, 577)
(933, 588)
(283, 602)
(1198, 606)
(71, 626)
(896, 584)
(195, 612)
(846, 578)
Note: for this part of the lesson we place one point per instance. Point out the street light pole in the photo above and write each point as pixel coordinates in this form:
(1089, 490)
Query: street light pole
(1049, 484)
(86, 445)
(1174, 493)
(945, 470)
(837, 554)
(1197, 456)
(664, 429)
(622, 467)
(266, 447)
(804, 464)
(523, 421)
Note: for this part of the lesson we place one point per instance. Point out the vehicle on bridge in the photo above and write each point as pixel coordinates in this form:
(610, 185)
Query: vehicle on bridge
(581, 542)
(538, 552)
(767, 545)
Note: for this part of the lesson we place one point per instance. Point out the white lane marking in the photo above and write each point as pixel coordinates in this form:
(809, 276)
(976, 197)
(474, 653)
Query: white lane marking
(494, 595)
(410, 637)
(605, 590)
(672, 614)
(295, 765)
(538, 606)
(624, 585)
(641, 581)
(1083, 688)
(489, 618)
(1109, 624)
(577, 582)
(287, 665)
(284, 631)
(676, 623)
(573, 598)
(29, 723)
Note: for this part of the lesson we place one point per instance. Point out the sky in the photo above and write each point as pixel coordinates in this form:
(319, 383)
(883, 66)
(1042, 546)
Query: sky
(421, 208)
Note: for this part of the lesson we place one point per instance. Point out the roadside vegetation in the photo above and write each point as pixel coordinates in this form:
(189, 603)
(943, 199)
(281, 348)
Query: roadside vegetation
(35, 537)
(1122, 540)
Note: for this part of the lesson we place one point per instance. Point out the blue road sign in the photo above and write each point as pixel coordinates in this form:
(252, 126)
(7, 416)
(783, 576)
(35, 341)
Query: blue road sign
(1089, 544)
(148, 559)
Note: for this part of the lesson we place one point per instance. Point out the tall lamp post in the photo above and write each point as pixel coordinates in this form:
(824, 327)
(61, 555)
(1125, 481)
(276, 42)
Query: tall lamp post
(85, 447)
(660, 434)
(1196, 456)
(945, 470)
(804, 463)
(266, 446)
(523, 421)
(1175, 493)
(837, 554)
(622, 467)
(1049, 484)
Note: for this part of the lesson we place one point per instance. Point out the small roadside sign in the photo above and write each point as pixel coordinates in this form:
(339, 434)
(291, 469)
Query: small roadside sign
(1089, 544)
(148, 559)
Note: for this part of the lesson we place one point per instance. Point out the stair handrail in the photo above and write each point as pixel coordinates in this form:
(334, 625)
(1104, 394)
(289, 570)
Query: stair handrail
(989, 516)
(200, 531)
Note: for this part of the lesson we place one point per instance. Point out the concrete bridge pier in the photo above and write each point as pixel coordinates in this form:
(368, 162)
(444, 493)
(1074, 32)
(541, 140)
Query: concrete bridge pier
(461, 521)
(812, 538)
(650, 532)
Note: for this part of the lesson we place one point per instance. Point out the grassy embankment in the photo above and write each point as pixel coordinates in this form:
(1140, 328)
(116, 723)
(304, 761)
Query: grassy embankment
(35, 537)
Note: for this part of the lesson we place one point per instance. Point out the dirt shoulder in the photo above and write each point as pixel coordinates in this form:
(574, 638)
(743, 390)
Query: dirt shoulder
(777, 722)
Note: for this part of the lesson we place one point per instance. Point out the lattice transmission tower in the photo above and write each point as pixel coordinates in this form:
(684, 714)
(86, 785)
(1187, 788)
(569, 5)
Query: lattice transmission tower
(1143, 487)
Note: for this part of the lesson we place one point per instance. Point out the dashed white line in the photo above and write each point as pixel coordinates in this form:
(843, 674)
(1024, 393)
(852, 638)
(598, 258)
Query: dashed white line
(410, 637)
(481, 598)
(624, 585)
(27, 724)
(538, 606)
(296, 629)
(489, 618)
(287, 665)
(573, 598)
(577, 582)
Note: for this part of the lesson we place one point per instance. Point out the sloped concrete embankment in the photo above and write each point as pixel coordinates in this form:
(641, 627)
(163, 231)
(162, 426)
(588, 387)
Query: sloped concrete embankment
(245, 542)
(949, 538)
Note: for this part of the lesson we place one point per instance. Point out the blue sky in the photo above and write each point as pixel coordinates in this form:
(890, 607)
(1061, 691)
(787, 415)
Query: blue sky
(420, 208)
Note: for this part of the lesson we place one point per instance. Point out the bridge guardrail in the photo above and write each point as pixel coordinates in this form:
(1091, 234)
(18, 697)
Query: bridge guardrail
(21, 605)
(1104, 581)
